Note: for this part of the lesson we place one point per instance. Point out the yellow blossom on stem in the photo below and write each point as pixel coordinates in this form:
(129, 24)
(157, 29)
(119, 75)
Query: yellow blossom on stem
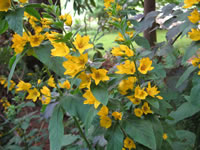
(121, 37)
(82, 43)
(145, 65)
(67, 18)
(99, 75)
(129, 143)
(23, 86)
(126, 84)
(152, 91)
(117, 115)
(65, 85)
(5, 5)
(195, 16)
(46, 97)
(107, 3)
(39, 81)
(164, 136)
(146, 109)
(60, 49)
(105, 122)
(19, 43)
(46, 22)
(12, 85)
(51, 82)
(138, 112)
(103, 111)
(71, 68)
(23, 1)
(85, 80)
(33, 94)
(36, 40)
(122, 50)
(38, 29)
(190, 3)
(140, 93)
(135, 101)
(127, 68)
(194, 34)
(2, 80)
(90, 99)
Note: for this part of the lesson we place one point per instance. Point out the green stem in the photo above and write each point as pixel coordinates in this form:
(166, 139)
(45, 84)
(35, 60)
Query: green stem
(123, 130)
(13, 5)
(81, 132)
(26, 30)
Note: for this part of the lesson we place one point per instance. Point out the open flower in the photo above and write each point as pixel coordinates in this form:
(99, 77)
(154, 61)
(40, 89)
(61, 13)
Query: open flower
(146, 109)
(105, 122)
(46, 97)
(140, 93)
(99, 75)
(67, 18)
(85, 80)
(145, 65)
(128, 143)
(51, 82)
(138, 112)
(60, 49)
(90, 99)
(194, 34)
(5, 5)
(36, 40)
(127, 68)
(190, 3)
(103, 111)
(23, 86)
(122, 50)
(65, 85)
(33, 94)
(195, 16)
(117, 115)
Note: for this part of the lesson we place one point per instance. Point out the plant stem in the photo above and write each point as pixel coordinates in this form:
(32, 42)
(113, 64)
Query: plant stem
(13, 5)
(81, 132)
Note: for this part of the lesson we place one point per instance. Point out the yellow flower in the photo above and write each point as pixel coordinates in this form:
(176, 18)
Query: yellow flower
(85, 80)
(33, 94)
(126, 84)
(38, 29)
(82, 43)
(146, 109)
(107, 3)
(51, 82)
(121, 37)
(135, 101)
(12, 85)
(122, 50)
(51, 36)
(164, 136)
(19, 42)
(195, 61)
(65, 84)
(23, 1)
(90, 99)
(39, 81)
(46, 97)
(190, 3)
(2, 80)
(117, 115)
(140, 93)
(99, 75)
(60, 49)
(103, 111)
(138, 112)
(128, 143)
(145, 65)
(46, 22)
(36, 40)
(152, 91)
(194, 34)
(67, 18)
(127, 68)
(159, 97)
(23, 86)
(195, 16)
(105, 122)
(5, 5)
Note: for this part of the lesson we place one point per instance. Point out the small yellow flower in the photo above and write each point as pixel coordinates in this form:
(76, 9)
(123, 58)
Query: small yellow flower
(117, 115)
(107, 3)
(33, 94)
(90, 99)
(121, 37)
(190, 3)
(85, 80)
(82, 43)
(126, 84)
(135, 101)
(194, 34)
(67, 18)
(38, 29)
(23, 1)
(46, 97)
(39, 81)
(145, 65)
(152, 91)
(65, 84)
(2, 80)
(103, 111)
(127, 68)
(23, 86)
(146, 109)
(12, 85)
(19, 42)
(195, 16)
(138, 112)
(5, 5)
(36, 40)
(164, 136)
(122, 50)
(129, 143)
(51, 82)
(105, 122)
(140, 93)
(99, 75)
(60, 49)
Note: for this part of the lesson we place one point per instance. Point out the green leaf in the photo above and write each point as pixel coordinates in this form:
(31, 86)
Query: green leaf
(153, 102)
(141, 41)
(15, 20)
(69, 139)
(141, 131)
(115, 140)
(75, 107)
(56, 128)
(100, 92)
(184, 111)
(33, 12)
(3, 26)
(185, 76)
(53, 63)
(195, 95)
(11, 61)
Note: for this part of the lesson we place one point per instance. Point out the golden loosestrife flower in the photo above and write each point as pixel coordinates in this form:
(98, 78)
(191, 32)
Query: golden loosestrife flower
(164, 136)
(195, 16)
(129, 143)
(51, 82)
(107, 3)
(90, 99)
(65, 85)
(85, 80)
(105, 122)
(135, 101)
(36, 40)
(140, 93)
(23, 86)
(194, 34)
(146, 109)
(2, 80)
(126, 84)
(5, 5)
(138, 112)
(12, 85)
(33, 94)
(67, 18)
(152, 91)
(19, 43)
(46, 22)
(121, 37)
(60, 49)
(103, 111)
(127, 68)
(46, 97)
(145, 65)
(23, 1)
(82, 43)
(122, 50)
(99, 75)
(190, 3)
(117, 115)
